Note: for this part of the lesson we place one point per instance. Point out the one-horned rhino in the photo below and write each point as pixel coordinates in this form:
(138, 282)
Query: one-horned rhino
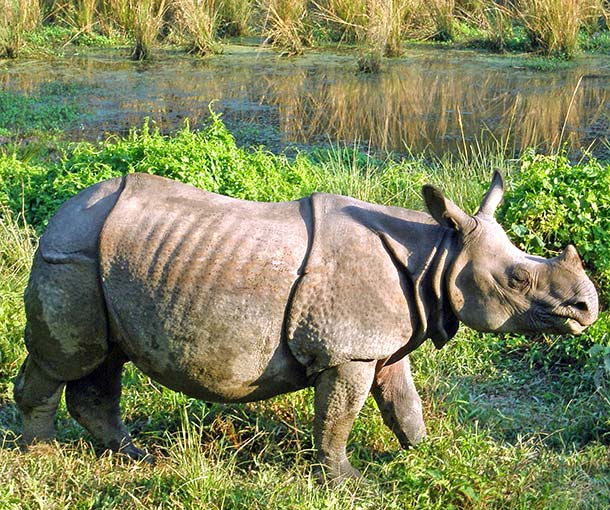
(234, 301)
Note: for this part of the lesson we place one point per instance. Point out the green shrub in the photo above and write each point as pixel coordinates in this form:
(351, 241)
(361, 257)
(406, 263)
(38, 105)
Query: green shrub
(211, 160)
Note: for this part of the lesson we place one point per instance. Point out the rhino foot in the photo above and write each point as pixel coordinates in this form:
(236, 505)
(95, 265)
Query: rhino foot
(134, 453)
(335, 473)
(94, 401)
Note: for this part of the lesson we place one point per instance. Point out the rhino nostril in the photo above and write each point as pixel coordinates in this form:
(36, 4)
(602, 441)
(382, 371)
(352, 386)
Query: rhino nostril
(581, 306)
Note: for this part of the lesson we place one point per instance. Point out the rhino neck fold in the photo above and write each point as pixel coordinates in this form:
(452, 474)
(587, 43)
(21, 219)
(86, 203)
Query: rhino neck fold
(426, 276)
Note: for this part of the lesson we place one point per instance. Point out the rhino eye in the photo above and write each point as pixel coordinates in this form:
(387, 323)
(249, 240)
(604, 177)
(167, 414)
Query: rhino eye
(519, 278)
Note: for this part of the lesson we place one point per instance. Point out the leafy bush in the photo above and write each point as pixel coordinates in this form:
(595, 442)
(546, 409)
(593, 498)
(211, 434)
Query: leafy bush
(211, 160)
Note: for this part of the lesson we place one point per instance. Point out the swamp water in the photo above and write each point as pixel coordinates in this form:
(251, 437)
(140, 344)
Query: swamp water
(432, 101)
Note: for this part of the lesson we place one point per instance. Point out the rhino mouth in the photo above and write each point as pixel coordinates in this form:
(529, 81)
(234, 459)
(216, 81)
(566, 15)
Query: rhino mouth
(562, 321)
(574, 325)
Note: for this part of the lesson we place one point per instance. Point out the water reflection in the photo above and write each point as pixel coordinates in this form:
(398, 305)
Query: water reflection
(434, 101)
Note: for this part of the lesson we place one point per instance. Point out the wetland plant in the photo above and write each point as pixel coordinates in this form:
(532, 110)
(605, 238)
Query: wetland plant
(285, 25)
(442, 13)
(82, 14)
(385, 26)
(147, 20)
(16, 18)
(235, 16)
(553, 25)
(199, 21)
(347, 19)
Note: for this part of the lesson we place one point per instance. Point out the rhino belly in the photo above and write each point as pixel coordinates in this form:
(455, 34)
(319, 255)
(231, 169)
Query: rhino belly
(197, 287)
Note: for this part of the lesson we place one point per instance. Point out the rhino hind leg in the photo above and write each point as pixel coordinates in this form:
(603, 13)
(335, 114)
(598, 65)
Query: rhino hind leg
(399, 402)
(94, 401)
(340, 393)
(37, 396)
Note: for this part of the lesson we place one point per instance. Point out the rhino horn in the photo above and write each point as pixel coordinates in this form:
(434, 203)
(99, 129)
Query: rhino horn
(494, 195)
(569, 256)
(444, 211)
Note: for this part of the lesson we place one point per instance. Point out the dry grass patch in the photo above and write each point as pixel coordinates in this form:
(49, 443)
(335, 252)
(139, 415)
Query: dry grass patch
(285, 25)
(198, 21)
(16, 18)
(553, 25)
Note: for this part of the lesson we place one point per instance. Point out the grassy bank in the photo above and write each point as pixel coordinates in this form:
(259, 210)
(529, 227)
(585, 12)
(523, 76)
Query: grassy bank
(513, 422)
(558, 28)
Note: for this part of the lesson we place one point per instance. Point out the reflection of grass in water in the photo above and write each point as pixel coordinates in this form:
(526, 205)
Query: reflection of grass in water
(52, 107)
(421, 112)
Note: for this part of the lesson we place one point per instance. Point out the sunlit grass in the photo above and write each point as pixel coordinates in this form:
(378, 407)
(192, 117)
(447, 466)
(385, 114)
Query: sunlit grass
(199, 20)
(146, 22)
(554, 25)
(285, 25)
(17, 17)
(557, 28)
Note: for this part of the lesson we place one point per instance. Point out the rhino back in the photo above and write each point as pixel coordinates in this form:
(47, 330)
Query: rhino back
(197, 285)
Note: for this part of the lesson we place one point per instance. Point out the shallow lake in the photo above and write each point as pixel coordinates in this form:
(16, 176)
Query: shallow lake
(432, 101)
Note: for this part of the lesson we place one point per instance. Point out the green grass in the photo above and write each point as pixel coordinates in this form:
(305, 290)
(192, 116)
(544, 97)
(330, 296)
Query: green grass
(513, 423)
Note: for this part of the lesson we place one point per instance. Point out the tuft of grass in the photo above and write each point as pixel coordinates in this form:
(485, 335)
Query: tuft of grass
(442, 13)
(553, 26)
(235, 17)
(146, 20)
(82, 14)
(285, 25)
(347, 19)
(17, 17)
(199, 22)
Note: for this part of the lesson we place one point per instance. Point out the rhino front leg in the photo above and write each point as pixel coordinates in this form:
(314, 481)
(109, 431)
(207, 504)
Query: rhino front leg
(340, 393)
(399, 403)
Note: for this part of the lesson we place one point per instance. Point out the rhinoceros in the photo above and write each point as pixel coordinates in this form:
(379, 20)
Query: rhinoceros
(229, 300)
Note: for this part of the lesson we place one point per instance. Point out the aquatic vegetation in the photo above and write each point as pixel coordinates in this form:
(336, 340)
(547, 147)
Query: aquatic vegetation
(147, 20)
(557, 28)
(553, 25)
(443, 17)
(82, 14)
(285, 25)
(346, 19)
(50, 108)
(235, 17)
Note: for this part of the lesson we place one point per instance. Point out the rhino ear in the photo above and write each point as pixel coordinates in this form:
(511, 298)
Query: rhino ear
(444, 211)
(494, 195)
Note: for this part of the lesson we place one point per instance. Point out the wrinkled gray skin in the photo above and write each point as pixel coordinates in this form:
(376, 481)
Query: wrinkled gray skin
(235, 301)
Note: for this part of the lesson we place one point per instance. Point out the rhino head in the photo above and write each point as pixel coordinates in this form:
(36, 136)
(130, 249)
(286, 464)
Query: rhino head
(495, 287)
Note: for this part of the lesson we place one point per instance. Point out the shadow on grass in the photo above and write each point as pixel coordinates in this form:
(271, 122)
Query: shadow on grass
(264, 431)
(561, 407)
